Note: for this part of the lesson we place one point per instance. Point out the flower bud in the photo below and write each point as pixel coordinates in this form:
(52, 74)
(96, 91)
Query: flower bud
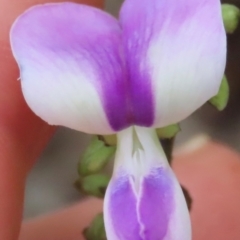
(168, 132)
(231, 16)
(94, 185)
(109, 140)
(95, 157)
(221, 99)
(96, 230)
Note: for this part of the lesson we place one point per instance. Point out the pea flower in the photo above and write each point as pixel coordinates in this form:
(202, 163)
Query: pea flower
(83, 69)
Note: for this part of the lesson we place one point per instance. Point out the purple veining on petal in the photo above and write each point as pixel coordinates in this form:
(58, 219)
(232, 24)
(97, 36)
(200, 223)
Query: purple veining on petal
(156, 204)
(82, 36)
(146, 216)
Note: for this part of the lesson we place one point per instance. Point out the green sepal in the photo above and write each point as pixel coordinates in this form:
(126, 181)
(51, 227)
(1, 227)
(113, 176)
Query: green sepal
(94, 185)
(95, 157)
(96, 230)
(168, 132)
(221, 99)
(109, 140)
(231, 15)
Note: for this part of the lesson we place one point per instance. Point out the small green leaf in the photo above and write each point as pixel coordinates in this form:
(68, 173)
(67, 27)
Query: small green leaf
(221, 99)
(96, 230)
(95, 157)
(169, 131)
(94, 185)
(231, 15)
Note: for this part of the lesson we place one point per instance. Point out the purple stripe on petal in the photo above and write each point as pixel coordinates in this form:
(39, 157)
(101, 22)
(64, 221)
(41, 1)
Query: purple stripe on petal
(114, 85)
(156, 204)
(106, 53)
(140, 93)
(136, 44)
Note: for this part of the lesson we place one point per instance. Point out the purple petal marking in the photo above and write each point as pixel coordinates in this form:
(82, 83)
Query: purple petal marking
(54, 40)
(136, 39)
(107, 52)
(156, 204)
(122, 208)
(143, 217)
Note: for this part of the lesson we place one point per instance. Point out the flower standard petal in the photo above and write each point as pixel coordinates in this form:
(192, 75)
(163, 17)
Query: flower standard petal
(176, 53)
(72, 70)
(144, 200)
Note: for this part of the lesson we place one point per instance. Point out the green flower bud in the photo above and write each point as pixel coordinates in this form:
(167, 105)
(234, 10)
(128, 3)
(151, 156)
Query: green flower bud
(96, 230)
(95, 157)
(231, 15)
(169, 131)
(110, 140)
(94, 185)
(221, 99)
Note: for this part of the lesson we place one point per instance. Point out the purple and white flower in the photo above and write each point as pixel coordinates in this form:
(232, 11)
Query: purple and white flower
(83, 69)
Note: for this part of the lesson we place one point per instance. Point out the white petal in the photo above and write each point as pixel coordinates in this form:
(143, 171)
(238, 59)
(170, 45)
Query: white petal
(71, 69)
(176, 49)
